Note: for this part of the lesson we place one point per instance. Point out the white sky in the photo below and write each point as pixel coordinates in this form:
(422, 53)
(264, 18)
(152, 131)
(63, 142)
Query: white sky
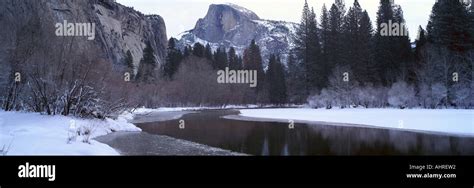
(182, 15)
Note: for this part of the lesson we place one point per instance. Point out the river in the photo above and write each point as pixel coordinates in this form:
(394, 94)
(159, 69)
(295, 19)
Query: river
(258, 137)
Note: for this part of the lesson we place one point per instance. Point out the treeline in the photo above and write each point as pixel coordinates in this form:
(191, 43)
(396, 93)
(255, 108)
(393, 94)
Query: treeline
(341, 60)
(36, 77)
(338, 59)
(82, 83)
(190, 77)
(65, 76)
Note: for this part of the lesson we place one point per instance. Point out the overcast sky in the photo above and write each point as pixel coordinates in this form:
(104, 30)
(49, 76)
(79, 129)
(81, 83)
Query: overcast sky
(181, 15)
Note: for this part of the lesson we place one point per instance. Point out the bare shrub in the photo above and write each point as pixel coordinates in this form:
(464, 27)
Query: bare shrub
(195, 84)
(401, 95)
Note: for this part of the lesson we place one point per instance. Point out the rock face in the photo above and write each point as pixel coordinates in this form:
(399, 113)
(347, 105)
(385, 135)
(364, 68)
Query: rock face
(231, 25)
(222, 20)
(117, 28)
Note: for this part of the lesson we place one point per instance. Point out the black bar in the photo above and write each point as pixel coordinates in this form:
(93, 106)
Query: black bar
(240, 170)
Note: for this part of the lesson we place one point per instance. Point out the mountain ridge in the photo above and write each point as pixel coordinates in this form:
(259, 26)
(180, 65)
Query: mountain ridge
(229, 25)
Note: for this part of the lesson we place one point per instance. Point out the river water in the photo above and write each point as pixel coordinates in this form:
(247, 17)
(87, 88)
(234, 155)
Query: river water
(273, 138)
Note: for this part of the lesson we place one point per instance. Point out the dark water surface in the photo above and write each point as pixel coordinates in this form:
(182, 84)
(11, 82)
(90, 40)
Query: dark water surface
(270, 138)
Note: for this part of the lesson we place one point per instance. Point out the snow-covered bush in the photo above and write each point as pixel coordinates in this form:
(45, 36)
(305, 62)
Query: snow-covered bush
(439, 93)
(341, 91)
(77, 83)
(433, 96)
(10, 92)
(381, 99)
(461, 93)
(424, 96)
(366, 96)
(401, 95)
(72, 132)
(313, 101)
(471, 98)
(85, 132)
(3, 150)
(325, 99)
(342, 86)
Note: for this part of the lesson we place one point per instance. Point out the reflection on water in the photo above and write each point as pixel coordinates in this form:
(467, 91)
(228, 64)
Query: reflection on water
(268, 138)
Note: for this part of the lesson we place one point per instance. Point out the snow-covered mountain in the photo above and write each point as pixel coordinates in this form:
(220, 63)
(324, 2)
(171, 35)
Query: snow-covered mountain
(230, 25)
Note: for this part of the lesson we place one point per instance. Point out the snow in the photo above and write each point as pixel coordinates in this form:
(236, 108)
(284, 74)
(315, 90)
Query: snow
(190, 39)
(267, 24)
(35, 134)
(139, 111)
(451, 121)
(143, 110)
(181, 35)
(26, 133)
(240, 9)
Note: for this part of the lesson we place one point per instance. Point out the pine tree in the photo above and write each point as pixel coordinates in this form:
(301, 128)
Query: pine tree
(351, 35)
(146, 71)
(419, 59)
(275, 79)
(280, 82)
(348, 42)
(308, 50)
(187, 51)
(295, 80)
(335, 39)
(215, 63)
(198, 50)
(420, 42)
(325, 31)
(451, 26)
(234, 63)
(240, 62)
(450, 36)
(341, 6)
(325, 34)
(402, 49)
(253, 61)
(223, 59)
(129, 62)
(301, 48)
(365, 71)
(208, 52)
(316, 66)
(471, 18)
(357, 34)
(220, 59)
(173, 59)
(388, 65)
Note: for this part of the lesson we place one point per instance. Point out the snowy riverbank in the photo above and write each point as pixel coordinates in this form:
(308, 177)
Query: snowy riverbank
(24, 133)
(451, 121)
